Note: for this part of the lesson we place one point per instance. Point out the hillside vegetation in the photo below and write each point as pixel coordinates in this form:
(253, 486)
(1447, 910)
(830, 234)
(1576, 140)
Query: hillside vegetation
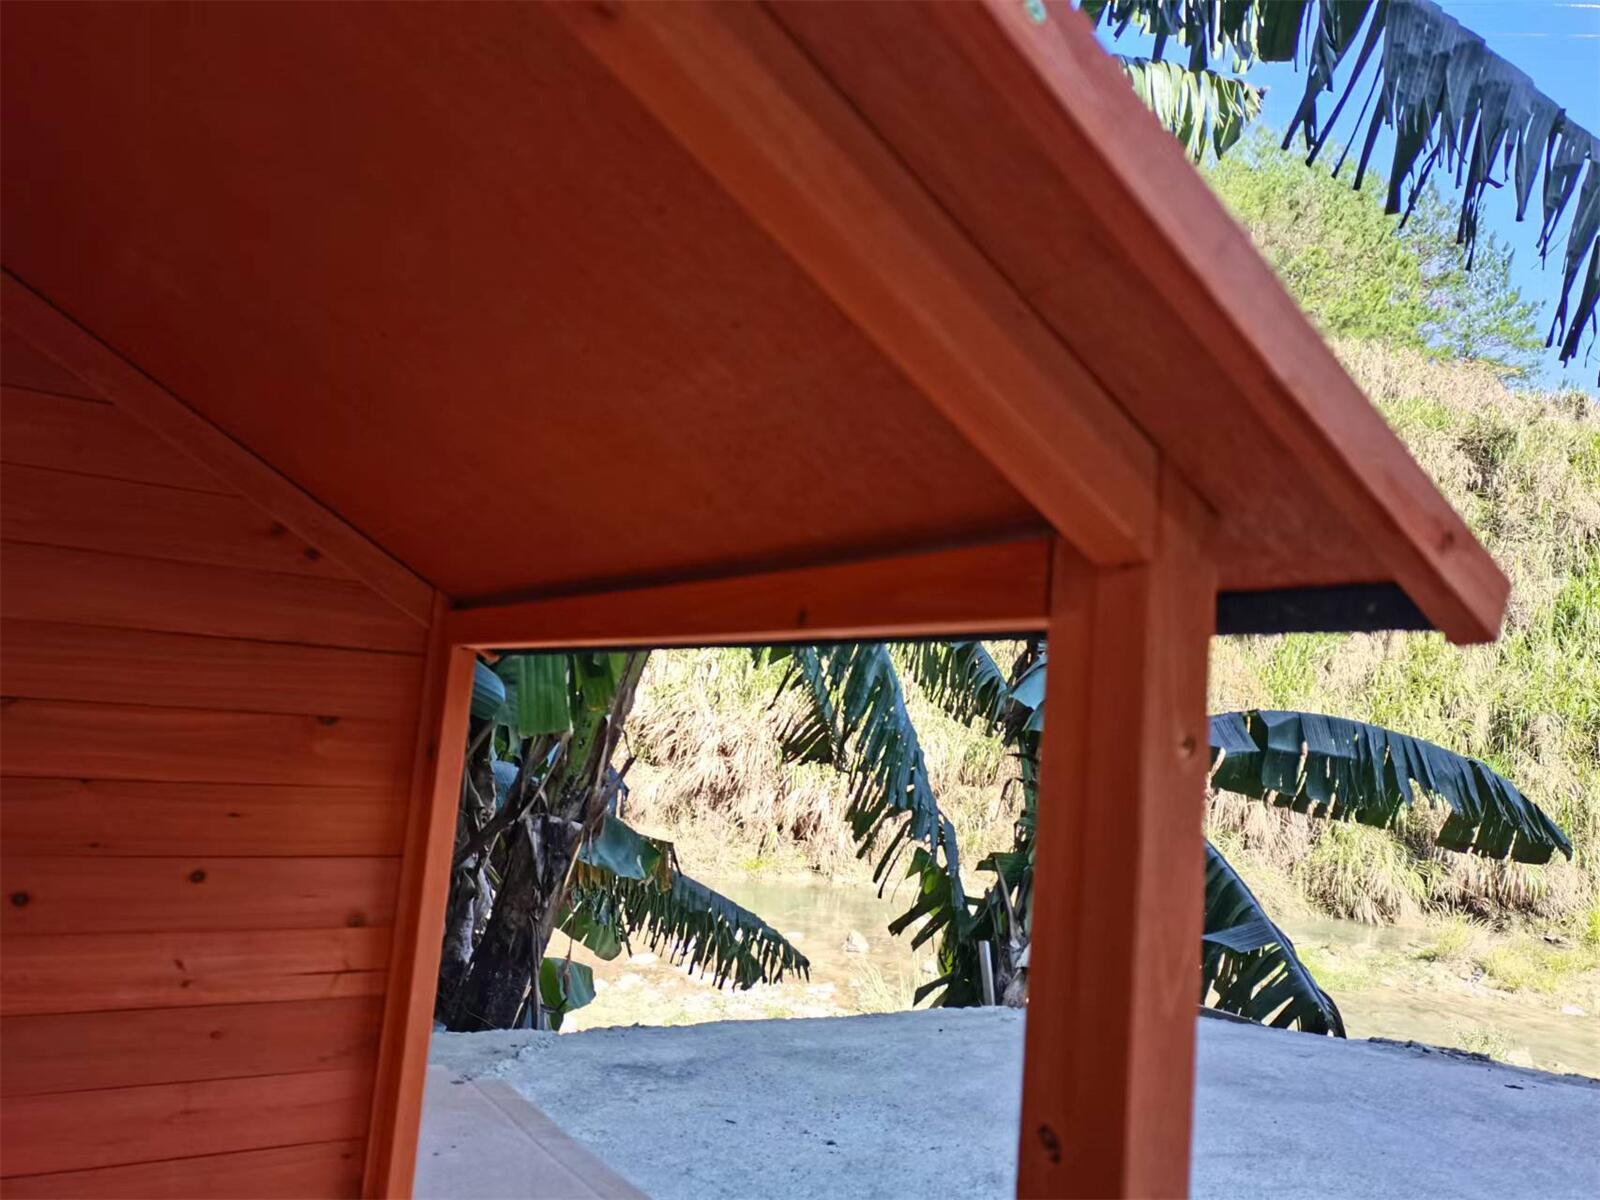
(1523, 467)
(1434, 346)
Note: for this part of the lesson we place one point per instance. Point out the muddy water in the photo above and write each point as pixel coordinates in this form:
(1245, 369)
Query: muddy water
(873, 972)
(1433, 1007)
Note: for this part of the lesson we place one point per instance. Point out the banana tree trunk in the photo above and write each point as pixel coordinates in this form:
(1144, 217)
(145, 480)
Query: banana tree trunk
(537, 870)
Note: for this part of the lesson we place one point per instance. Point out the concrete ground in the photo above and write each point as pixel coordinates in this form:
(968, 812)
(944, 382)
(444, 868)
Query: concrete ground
(926, 1104)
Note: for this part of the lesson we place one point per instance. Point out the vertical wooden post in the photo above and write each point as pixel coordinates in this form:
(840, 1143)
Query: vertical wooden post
(419, 918)
(1108, 1073)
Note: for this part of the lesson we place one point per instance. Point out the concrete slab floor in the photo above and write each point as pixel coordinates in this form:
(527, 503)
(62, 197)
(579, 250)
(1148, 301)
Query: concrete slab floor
(926, 1104)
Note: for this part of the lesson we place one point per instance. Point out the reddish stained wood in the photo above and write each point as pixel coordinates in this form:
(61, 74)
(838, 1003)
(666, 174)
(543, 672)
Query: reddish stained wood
(46, 660)
(1144, 197)
(83, 587)
(93, 437)
(42, 737)
(281, 1173)
(994, 588)
(419, 926)
(59, 508)
(741, 97)
(145, 895)
(87, 1051)
(23, 366)
(82, 1130)
(122, 383)
(58, 973)
(119, 817)
(1108, 1068)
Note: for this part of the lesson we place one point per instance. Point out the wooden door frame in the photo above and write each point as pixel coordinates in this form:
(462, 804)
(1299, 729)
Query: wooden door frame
(1095, 912)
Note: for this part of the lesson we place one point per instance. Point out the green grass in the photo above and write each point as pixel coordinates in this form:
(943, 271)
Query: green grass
(1484, 1039)
(1529, 964)
(1451, 941)
(1523, 467)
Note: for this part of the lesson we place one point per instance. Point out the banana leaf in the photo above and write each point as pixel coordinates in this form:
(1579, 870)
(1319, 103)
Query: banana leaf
(563, 987)
(1347, 770)
(1452, 103)
(488, 692)
(961, 678)
(627, 886)
(538, 699)
(1249, 967)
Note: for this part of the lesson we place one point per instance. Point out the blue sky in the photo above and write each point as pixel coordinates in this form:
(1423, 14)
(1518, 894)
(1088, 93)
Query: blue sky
(1557, 42)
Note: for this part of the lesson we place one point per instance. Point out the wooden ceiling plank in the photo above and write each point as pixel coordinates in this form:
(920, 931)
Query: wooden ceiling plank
(738, 93)
(999, 588)
(62, 340)
(1049, 93)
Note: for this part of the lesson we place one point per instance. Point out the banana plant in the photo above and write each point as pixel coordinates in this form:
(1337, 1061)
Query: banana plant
(1329, 767)
(540, 847)
(1452, 104)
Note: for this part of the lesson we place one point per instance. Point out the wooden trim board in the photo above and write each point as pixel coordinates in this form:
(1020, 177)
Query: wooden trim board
(1108, 1062)
(988, 589)
(110, 375)
(419, 922)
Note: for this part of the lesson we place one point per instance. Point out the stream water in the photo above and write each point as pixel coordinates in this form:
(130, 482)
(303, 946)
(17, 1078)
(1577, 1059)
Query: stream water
(856, 966)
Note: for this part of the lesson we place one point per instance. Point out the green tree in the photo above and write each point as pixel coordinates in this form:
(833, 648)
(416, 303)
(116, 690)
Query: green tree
(1358, 275)
(1450, 102)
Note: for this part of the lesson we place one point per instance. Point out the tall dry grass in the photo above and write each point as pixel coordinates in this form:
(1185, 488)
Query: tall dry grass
(1523, 468)
(710, 775)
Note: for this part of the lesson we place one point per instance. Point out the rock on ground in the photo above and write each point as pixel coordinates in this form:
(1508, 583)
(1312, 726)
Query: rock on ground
(926, 1103)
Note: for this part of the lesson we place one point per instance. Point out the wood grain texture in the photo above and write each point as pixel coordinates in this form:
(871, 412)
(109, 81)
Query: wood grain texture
(82, 587)
(47, 660)
(119, 381)
(59, 508)
(88, 1051)
(76, 1131)
(92, 972)
(281, 1173)
(119, 817)
(23, 366)
(442, 725)
(147, 895)
(740, 96)
(1108, 1065)
(93, 437)
(46, 737)
(600, 289)
(1096, 216)
(996, 588)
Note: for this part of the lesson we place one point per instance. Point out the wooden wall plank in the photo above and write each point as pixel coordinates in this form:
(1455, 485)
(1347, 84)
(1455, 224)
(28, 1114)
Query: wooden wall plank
(47, 660)
(281, 1173)
(125, 817)
(146, 895)
(88, 1051)
(114, 378)
(119, 741)
(75, 1131)
(93, 437)
(1108, 1065)
(50, 583)
(60, 973)
(59, 508)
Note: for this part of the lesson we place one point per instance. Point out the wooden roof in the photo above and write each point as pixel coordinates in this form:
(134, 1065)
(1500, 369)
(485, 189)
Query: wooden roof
(544, 300)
